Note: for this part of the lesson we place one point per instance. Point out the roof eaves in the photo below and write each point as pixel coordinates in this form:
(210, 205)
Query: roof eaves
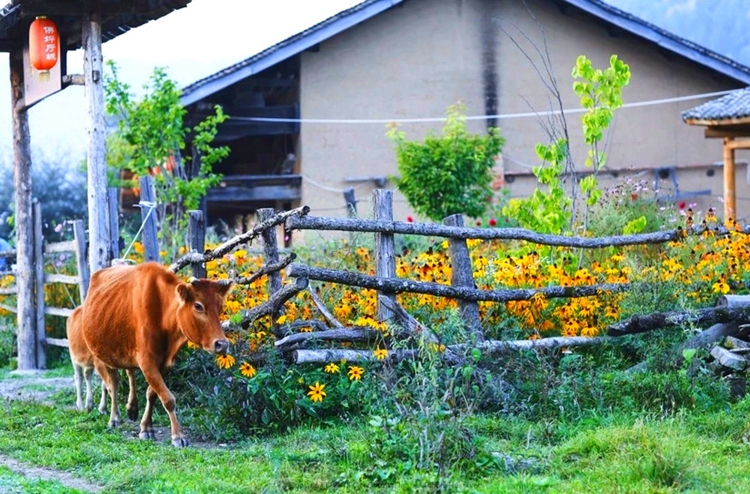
(284, 50)
(666, 40)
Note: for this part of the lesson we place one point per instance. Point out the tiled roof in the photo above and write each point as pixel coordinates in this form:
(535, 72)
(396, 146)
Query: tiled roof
(369, 8)
(731, 106)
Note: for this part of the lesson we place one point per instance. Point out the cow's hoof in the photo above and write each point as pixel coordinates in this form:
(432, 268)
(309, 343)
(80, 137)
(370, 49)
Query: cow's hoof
(147, 434)
(114, 423)
(180, 442)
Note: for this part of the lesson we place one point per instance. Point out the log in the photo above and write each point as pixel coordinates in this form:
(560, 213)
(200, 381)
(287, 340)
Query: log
(267, 268)
(498, 347)
(399, 285)
(341, 334)
(728, 359)
(246, 237)
(337, 355)
(462, 275)
(385, 248)
(433, 229)
(733, 343)
(733, 301)
(658, 320)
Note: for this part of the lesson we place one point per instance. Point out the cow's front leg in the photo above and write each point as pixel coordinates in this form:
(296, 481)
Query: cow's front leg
(157, 385)
(147, 428)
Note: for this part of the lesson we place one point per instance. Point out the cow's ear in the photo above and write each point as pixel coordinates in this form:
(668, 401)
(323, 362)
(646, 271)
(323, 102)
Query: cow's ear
(224, 289)
(185, 292)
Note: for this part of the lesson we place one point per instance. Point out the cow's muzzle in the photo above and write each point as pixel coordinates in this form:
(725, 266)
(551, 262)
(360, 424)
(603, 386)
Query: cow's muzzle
(221, 346)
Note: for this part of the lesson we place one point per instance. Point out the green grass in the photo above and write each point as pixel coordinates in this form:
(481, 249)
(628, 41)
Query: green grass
(601, 453)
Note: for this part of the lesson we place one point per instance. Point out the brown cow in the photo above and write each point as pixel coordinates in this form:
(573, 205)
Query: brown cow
(138, 317)
(83, 368)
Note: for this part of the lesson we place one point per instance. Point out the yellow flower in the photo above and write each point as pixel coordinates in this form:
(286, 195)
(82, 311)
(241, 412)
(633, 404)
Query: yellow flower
(281, 319)
(355, 373)
(192, 345)
(381, 353)
(720, 287)
(247, 370)
(316, 392)
(331, 368)
(224, 361)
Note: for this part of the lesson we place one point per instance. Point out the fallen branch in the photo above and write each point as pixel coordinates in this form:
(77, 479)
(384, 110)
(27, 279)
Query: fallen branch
(323, 356)
(698, 317)
(246, 237)
(399, 285)
(415, 328)
(341, 334)
(323, 310)
(266, 269)
(271, 305)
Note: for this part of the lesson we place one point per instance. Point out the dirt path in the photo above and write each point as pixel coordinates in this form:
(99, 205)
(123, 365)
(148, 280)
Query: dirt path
(38, 473)
(33, 386)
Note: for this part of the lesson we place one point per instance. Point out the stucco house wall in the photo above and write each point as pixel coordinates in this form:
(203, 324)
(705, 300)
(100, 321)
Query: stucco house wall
(415, 60)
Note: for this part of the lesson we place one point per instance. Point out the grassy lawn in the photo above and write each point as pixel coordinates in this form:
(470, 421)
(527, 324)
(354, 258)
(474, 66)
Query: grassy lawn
(604, 453)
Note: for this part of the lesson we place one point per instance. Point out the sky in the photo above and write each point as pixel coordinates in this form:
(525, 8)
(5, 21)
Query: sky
(191, 43)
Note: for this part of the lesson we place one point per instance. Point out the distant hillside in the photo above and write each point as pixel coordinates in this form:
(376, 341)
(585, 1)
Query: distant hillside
(719, 25)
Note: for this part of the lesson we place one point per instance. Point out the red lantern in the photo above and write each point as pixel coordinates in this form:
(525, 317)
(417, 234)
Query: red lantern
(44, 44)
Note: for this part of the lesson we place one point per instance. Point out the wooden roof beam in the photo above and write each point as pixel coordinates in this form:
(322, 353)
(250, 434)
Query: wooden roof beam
(720, 132)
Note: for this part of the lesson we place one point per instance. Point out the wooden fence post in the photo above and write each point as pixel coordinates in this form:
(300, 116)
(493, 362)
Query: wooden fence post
(271, 250)
(148, 215)
(197, 239)
(385, 247)
(351, 202)
(41, 334)
(113, 197)
(84, 273)
(462, 274)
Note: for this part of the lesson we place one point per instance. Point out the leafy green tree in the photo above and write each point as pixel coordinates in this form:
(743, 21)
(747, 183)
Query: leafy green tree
(550, 210)
(150, 139)
(450, 174)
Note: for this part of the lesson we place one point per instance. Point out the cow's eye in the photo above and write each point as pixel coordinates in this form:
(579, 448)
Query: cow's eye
(198, 306)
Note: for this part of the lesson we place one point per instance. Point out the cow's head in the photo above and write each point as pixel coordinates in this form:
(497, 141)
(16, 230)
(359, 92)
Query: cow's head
(200, 303)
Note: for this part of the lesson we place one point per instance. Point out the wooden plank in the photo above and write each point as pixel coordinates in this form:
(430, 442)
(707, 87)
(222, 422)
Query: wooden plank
(58, 311)
(69, 246)
(255, 193)
(62, 278)
(462, 275)
(148, 216)
(98, 206)
(84, 272)
(24, 224)
(9, 308)
(385, 247)
(270, 249)
(61, 342)
(739, 131)
(41, 331)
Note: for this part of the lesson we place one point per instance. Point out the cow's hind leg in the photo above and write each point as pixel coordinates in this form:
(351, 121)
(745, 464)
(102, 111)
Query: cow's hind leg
(87, 372)
(111, 379)
(156, 384)
(132, 407)
(103, 400)
(78, 377)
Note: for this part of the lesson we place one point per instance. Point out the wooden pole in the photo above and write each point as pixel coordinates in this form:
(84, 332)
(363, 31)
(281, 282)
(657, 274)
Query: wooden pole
(351, 202)
(81, 255)
(730, 208)
(99, 228)
(197, 239)
(462, 274)
(41, 327)
(113, 198)
(26, 335)
(385, 247)
(148, 215)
